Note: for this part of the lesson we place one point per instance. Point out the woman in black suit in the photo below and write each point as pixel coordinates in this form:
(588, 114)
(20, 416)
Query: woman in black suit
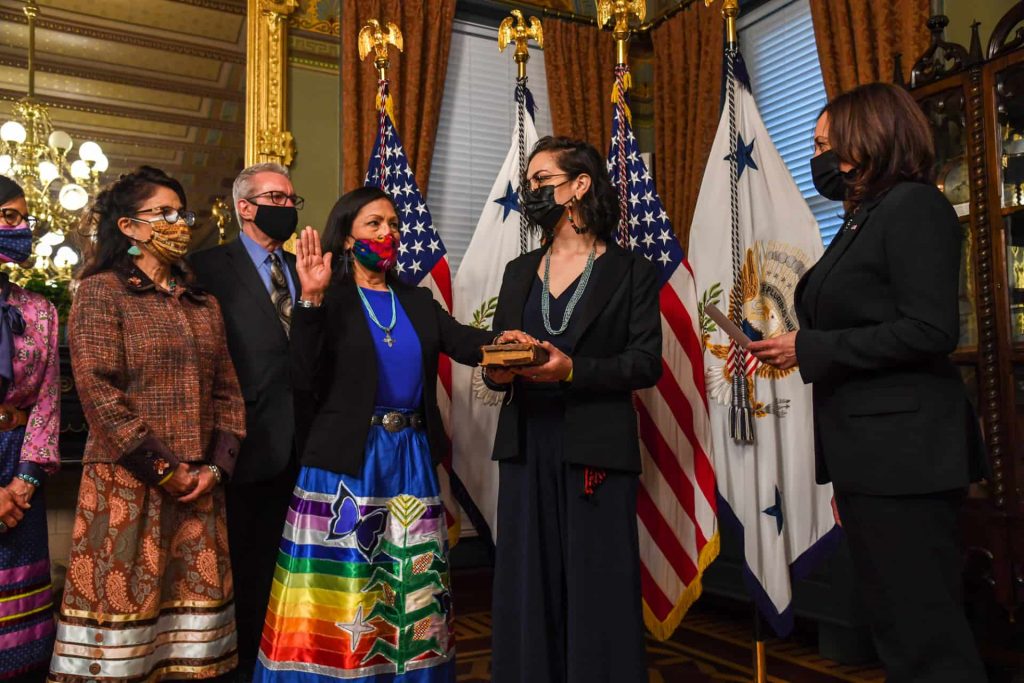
(894, 431)
(362, 585)
(566, 603)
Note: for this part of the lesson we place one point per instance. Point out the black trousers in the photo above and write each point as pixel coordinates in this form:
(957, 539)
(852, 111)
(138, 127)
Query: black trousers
(566, 600)
(906, 556)
(256, 513)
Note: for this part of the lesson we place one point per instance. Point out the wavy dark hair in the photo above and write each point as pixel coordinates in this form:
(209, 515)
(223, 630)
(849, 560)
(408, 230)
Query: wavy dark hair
(123, 197)
(339, 227)
(880, 130)
(599, 207)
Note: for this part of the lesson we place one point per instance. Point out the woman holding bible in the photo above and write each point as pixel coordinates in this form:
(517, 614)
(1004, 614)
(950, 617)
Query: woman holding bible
(894, 430)
(362, 586)
(567, 603)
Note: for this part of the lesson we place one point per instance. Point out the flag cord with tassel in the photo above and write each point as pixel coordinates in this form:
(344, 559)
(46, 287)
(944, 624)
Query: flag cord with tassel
(741, 413)
(524, 223)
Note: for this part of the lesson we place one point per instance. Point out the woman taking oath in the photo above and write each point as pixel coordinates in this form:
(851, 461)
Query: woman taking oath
(362, 588)
(894, 431)
(567, 604)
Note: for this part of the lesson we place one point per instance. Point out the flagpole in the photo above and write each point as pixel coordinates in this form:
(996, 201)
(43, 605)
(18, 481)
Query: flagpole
(730, 11)
(515, 29)
(375, 37)
(621, 12)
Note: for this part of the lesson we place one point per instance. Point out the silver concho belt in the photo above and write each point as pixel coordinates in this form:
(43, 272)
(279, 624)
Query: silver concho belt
(395, 421)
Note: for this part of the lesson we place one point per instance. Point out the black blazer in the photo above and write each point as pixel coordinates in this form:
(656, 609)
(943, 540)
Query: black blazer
(878, 317)
(618, 351)
(259, 351)
(334, 363)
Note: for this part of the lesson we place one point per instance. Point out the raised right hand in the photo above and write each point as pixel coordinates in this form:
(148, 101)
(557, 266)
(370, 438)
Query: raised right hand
(181, 482)
(314, 267)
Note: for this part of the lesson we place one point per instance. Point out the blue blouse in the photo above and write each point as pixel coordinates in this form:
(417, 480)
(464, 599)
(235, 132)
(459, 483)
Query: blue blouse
(400, 366)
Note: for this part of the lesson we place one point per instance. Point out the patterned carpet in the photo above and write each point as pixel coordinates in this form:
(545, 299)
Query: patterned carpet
(708, 646)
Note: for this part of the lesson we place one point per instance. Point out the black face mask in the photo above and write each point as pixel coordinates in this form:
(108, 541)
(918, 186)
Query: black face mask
(540, 206)
(829, 181)
(277, 222)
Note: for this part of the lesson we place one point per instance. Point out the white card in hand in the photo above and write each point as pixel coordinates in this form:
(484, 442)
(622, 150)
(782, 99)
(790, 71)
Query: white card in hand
(728, 326)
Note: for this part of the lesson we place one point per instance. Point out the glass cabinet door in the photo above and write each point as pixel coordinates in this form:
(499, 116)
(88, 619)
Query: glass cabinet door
(967, 300)
(1010, 129)
(947, 117)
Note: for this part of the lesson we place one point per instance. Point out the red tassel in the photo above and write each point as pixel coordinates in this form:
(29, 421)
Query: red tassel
(592, 478)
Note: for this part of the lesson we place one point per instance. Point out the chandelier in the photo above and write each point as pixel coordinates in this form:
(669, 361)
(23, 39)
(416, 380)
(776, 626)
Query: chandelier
(56, 188)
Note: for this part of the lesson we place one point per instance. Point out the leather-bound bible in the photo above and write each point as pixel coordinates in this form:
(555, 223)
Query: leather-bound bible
(513, 355)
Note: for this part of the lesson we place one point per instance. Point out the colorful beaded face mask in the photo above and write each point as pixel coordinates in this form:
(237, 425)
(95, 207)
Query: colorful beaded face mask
(377, 254)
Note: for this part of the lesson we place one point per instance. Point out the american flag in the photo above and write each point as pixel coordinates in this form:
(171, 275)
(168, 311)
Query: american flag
(676, 509)
(422, 257)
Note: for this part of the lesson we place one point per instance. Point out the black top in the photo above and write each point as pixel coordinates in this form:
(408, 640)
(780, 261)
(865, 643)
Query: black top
(878, 319)
(259, 352)
(615, 344)
(334, 369)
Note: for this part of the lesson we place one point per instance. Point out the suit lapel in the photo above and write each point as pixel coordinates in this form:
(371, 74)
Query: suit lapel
(603, 283)
(245, 270)
(355, 328)
(837, 248)
(289, 261)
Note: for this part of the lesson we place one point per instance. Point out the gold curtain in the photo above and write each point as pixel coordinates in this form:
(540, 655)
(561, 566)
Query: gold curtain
(688, 52)
(579, 61)
(858, 39)
(416, 82)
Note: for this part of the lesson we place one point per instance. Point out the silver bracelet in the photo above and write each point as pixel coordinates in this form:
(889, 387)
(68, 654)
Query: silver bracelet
(216, 472)
(306, 303)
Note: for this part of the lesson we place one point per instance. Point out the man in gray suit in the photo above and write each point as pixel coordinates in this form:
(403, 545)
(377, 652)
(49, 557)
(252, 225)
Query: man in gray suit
(255, 282)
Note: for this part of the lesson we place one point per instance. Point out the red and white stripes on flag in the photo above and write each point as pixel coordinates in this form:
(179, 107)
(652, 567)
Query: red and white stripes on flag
(676, 507)
(422, 259)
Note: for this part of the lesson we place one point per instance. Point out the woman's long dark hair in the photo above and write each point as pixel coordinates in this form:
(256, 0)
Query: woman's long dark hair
(880, 130)
(339, 227)
(599, 207)
(123, 197)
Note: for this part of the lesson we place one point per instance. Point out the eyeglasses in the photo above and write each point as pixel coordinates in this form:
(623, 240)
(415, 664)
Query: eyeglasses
(14, 218)
(279, 198)
(172, 216)
(539, 180)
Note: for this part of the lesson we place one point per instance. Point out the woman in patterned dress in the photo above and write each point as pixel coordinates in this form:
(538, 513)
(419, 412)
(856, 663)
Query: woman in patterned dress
(29, 423)
(149, 593)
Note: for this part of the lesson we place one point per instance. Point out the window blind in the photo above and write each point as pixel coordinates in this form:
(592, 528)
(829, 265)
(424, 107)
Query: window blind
(778, 46)
(475, 130)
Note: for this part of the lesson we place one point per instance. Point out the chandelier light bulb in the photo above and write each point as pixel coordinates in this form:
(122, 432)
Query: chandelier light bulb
(12, 131)
(60, 141)
(90, 151)
(53, 238)
(80, 170)
(48, 172)
(5, 163)
(73, 197)
(65, 257)
(101, 164)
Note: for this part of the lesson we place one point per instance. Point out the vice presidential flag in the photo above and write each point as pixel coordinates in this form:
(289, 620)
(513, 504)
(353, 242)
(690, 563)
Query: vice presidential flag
(752, 238)
(501, 235)
(676, 502)
(422, 258)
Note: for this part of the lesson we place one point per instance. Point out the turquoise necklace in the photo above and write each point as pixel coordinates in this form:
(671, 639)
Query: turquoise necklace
(545, 301)
(388, 339)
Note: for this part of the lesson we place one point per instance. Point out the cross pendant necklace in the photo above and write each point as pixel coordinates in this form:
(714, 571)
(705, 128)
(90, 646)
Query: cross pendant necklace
(388, 339)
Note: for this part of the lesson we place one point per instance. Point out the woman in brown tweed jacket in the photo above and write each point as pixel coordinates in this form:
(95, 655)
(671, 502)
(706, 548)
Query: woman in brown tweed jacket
(149, 589)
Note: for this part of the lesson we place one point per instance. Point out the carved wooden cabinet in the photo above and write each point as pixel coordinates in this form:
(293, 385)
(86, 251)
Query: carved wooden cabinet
(974, 100)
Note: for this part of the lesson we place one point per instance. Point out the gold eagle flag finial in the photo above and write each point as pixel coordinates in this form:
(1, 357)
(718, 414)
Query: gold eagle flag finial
(376, 37)
(515, 29)
(730, 10)
(621, 11)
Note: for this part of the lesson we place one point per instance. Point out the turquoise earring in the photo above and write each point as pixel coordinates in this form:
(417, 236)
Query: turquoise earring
(134, 251)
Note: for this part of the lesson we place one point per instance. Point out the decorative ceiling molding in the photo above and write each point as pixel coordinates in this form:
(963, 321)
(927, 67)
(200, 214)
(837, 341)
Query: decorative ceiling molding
(96, 74)
(236, 7)
(126, 112)
(127, 38)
